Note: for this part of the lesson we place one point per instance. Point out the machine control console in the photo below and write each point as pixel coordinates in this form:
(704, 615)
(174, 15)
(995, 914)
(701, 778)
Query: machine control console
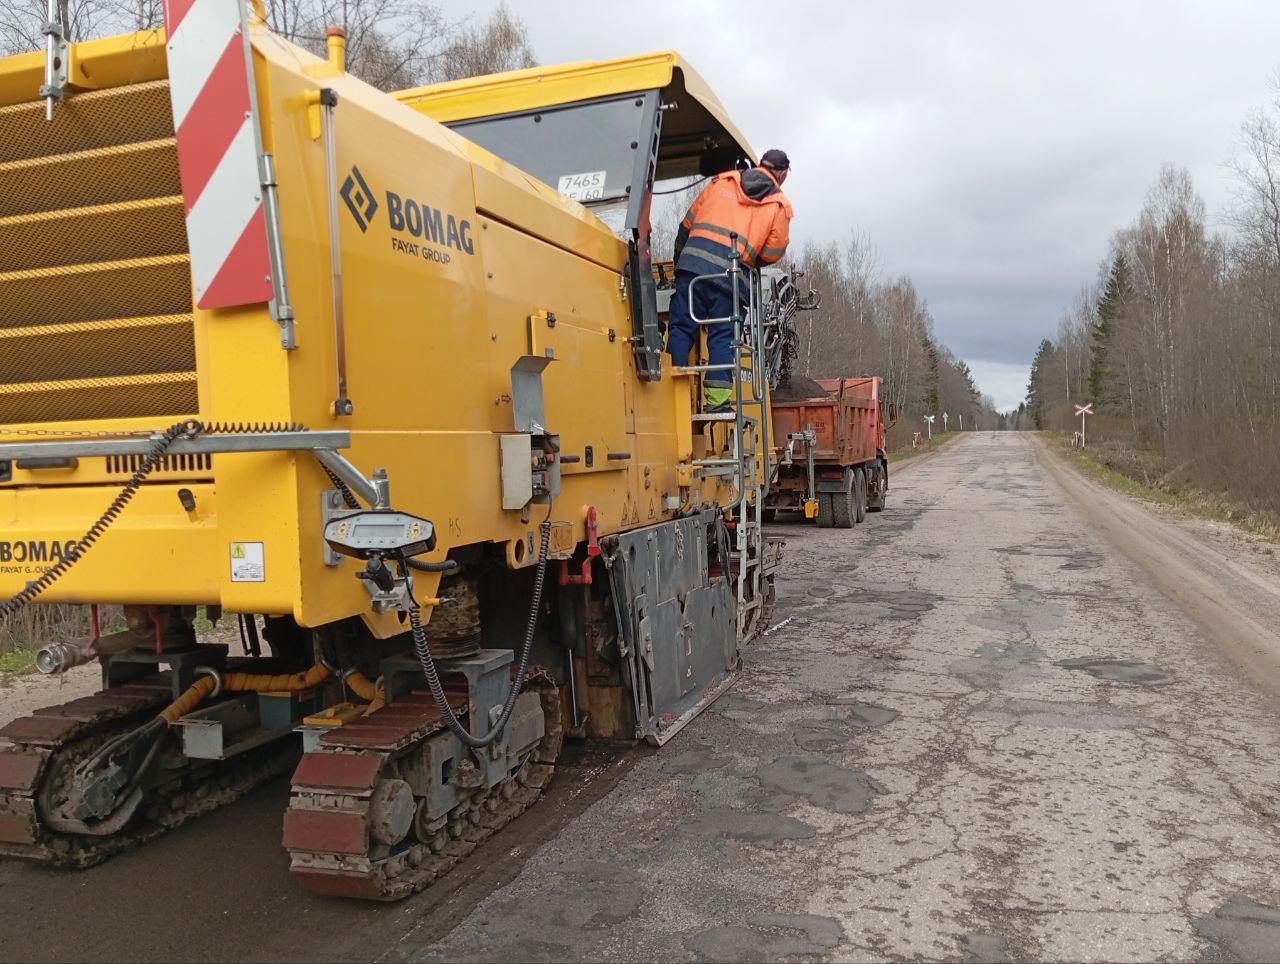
(376, 533)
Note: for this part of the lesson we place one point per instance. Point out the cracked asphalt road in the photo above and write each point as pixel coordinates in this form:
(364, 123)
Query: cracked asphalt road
(1015, 716)
(979, 731)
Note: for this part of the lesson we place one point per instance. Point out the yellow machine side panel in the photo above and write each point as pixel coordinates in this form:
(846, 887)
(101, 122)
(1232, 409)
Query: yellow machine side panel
(453, 264)
(510, 195)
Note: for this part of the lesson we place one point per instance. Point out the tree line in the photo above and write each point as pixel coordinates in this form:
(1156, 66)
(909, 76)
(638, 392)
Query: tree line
(866, 325)
(870, 324)
(391, 44)
(1177, 340)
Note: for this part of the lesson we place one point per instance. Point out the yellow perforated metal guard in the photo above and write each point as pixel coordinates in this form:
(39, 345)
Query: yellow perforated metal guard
(95, 284)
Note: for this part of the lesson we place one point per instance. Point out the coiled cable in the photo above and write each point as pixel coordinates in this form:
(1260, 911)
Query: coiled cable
(348, 497)
(251, 428)
(160, 444)
(423, 652)
(188, 428)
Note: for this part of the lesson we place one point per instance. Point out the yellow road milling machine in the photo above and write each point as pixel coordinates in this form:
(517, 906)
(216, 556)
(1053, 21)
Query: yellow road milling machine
(380, 379)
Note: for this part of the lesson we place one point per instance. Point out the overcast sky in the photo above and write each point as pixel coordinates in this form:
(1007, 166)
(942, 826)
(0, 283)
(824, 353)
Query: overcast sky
(988, 149)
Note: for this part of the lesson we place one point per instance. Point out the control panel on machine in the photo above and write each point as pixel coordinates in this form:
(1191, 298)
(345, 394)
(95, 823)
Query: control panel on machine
(376, 535)
(371, 533)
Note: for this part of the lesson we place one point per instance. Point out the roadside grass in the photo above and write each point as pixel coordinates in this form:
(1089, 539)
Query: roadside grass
(1153, 479)
(23, 634)
(905, 454)
(32, 627)
(17, 662)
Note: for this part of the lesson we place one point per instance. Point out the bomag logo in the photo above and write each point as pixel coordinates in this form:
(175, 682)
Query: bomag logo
(33, 555)
(359, 199)
(418, 229)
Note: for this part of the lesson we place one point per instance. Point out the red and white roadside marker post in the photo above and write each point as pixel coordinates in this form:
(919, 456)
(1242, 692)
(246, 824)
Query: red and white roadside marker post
(1082, 411)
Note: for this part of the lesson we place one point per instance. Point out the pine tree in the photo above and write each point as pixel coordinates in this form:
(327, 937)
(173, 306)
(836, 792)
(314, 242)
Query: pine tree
(1036, 402)
(970, 385)
(932, 399)
(1109, 308)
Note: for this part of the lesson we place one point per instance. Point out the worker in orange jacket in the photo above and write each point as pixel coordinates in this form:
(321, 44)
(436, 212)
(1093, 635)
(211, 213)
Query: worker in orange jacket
(751, 206)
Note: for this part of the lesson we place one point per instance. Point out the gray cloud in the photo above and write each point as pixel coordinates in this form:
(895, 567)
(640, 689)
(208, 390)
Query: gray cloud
(988, 149)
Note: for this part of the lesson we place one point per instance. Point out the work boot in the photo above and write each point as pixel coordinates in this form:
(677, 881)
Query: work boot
(716, 399)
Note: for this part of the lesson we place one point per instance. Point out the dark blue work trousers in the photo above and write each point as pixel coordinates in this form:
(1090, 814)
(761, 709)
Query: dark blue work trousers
(711, 299)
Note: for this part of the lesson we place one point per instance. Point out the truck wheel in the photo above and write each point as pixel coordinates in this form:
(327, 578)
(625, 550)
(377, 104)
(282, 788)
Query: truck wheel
(859, 496)
(844, 506)
(876, 503)
(826, 514)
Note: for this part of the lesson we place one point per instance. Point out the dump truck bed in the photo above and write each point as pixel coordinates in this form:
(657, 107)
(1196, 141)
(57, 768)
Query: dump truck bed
(846, 421)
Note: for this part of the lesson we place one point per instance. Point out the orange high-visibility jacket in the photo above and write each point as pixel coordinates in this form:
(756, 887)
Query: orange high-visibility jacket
(746, 203)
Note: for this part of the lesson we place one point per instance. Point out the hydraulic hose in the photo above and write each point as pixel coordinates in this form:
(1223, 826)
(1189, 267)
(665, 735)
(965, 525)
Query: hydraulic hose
(374, 694)
(361, 685)
(423, 652)
(197, 692)
(446, 566)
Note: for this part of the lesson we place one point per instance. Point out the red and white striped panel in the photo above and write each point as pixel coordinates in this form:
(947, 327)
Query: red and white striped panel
(209, 70)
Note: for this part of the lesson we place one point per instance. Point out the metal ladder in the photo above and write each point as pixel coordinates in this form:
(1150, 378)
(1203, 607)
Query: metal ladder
(747, 464)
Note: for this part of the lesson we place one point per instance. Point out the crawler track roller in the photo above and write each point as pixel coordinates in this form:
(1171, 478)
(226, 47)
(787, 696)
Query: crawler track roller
(41, 751)
(356, 827)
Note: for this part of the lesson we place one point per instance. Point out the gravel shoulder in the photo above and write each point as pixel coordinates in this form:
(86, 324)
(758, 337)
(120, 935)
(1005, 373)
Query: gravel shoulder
(1225, 578)
(20, 695)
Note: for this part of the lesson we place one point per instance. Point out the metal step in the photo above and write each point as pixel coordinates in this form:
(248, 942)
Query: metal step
(718, 472)
(695, 369)
(729, 416)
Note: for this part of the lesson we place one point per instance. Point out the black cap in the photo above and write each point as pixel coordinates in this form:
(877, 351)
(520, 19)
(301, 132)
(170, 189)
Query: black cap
(776, 159)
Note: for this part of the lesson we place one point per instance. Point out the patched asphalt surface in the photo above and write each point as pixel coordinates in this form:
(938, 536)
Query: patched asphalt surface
(976, 733)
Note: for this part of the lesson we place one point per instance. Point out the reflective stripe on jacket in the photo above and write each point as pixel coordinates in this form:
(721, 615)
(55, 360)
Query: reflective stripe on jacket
(746, 203)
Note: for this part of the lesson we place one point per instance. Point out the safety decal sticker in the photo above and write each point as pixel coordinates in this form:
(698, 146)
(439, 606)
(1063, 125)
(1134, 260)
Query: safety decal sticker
(248, 562)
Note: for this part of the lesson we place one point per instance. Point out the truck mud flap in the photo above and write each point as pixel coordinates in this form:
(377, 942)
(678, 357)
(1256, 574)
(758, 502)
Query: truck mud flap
(677, 624)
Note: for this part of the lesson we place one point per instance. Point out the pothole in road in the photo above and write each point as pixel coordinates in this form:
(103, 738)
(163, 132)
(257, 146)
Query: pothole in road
(1241, 930)
(1029, 611)
(900, 604)
(774, 937)
(864, 715)
(855, 716)
(986, 947)
(695, 760)
(1049, 713)
(748, 825)
(1012, 653)
(1075, 558)
(821, 740)
(822, 784)
(840, 712)
(1121, 670)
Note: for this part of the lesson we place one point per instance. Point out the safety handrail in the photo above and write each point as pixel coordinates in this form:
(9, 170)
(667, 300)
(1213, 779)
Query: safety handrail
(748, 345)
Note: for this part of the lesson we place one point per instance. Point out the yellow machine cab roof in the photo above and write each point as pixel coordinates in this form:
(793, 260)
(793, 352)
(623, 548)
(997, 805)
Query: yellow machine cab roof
(697, 133)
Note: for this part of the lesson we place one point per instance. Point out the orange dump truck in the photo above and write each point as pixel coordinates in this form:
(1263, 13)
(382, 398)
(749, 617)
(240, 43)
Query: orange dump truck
(832, 464)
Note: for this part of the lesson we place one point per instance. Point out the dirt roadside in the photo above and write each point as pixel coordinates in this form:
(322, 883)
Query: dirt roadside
(22, 695)
(1227, 580)
(924, 452)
